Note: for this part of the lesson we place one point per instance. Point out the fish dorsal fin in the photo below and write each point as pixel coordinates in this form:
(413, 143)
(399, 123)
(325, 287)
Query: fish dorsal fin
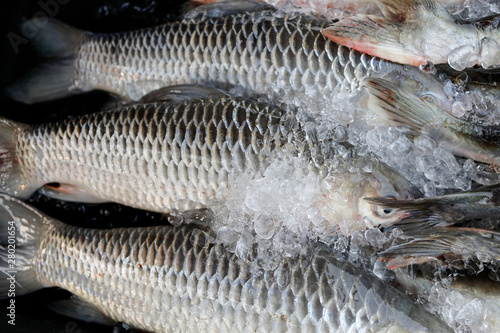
(180, 93)
(224, 8)
(77, 308)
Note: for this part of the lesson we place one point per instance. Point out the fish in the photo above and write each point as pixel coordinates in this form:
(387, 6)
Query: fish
(330, 9)
(244, 45)
(398, 107)
(175, 279)
(418, 33)
(180, 150)
(463, 302)
(447, 229)
(451, 247)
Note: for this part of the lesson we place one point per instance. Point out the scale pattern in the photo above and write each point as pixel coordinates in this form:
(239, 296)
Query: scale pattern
(260, 51)
(156, 156)
(167, 279)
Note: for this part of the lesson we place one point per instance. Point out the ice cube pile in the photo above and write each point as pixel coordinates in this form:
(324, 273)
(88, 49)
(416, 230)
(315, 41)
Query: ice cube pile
(277, 212)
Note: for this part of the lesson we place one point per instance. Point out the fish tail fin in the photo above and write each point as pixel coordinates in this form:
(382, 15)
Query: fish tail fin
(12, 180)
(445, 245)
(58, 44)
(384, 37)
(20, 229)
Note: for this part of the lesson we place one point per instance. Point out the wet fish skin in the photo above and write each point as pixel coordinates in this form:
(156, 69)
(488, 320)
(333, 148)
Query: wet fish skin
(252, 50)
(174, 279)
(169, 156)
(158, 156)
(262, 51)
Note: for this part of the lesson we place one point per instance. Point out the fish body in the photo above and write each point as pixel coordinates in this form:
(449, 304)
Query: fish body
(253, 50)
(160, 156)
(261, 50)
(164, 156)
(174, 279)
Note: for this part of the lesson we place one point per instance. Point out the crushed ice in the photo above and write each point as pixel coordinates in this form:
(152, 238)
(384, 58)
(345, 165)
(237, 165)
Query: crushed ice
(277, 213)
(474, 9)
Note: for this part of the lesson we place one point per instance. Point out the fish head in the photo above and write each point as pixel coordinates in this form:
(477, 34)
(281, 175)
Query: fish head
(385, 182)
(343, 203)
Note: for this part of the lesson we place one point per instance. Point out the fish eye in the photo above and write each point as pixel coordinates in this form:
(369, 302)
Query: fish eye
(387, 210)
(382, 212)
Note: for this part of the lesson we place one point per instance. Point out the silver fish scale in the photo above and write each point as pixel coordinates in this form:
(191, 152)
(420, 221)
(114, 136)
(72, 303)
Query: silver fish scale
(156, 156)
(166, 279)
(258, 51)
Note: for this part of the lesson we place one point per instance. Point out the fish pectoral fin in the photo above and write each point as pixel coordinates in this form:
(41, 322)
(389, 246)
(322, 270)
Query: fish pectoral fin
(419, 221)
(77, 308)
(180, 93)
(201, 2)
(398, 35)
(373, 35)
(71, 193)
(397, 107)
(400, 108)
(224, 8)
(444, 245)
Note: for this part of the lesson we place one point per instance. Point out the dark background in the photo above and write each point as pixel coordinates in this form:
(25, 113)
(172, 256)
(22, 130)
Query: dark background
(95, 16)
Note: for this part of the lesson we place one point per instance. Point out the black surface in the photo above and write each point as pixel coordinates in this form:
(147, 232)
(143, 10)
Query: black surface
(91, 15)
